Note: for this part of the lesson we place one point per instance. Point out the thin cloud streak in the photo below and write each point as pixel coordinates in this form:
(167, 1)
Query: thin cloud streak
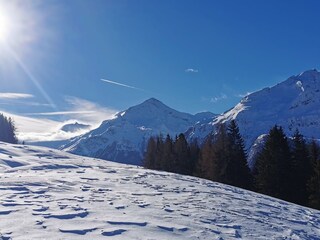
(8, 95)
(60, 113)
(121, 84)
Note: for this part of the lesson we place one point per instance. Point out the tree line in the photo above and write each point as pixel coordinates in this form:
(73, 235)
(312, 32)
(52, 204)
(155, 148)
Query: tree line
(285, 168)
(7, 130)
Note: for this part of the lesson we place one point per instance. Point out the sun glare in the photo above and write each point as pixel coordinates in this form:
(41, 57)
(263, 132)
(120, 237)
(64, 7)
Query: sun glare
(4, 27)
(22, 34)
(19, 24)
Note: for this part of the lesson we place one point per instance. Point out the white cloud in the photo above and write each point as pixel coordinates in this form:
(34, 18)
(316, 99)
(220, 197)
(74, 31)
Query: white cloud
(8, 95)
(191, 70)
(95, 113)
(36, 127)
(82, 110)
(222, 96)
(33, 129)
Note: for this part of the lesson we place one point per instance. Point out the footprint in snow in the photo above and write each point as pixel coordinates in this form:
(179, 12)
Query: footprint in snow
(113, 233)
(77, 231)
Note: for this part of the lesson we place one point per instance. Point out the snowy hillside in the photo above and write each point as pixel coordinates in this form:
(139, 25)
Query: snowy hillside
(123, 139)
(292, 104)
(49, 194)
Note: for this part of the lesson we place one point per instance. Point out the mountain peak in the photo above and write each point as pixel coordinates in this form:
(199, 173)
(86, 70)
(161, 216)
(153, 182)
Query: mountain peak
(154, 102)
(313, 73)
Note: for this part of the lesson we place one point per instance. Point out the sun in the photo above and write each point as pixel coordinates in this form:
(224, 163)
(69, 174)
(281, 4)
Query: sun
(9, 22)
(5, 25)
(19, 23)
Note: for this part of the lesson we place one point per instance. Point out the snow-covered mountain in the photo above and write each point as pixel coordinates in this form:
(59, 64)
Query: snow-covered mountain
(50, 194)
(124, 138)
(74, 127)
(292, 104)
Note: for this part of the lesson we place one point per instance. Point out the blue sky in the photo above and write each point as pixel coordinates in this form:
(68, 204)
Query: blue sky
(61, 49)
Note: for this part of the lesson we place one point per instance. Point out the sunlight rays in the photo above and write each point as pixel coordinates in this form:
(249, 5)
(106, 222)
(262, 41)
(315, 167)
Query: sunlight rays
(30, 76)
(21, 30)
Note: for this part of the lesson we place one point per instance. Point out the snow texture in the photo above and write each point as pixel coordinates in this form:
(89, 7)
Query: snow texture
(49, 194)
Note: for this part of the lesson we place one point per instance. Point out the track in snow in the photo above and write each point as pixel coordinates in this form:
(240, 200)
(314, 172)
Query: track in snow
(54, 195)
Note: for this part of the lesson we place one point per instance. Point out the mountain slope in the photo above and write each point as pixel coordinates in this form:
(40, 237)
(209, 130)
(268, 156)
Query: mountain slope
(124, 138)
(292, 104)
(56, 195)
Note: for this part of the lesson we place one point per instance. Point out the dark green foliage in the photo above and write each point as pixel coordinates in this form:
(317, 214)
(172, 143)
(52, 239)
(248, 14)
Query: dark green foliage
(222, 158)
(314, 181)
(182, 163)
(159, 153)
(194, 156)
(221, 155)
(238, 172)
(150, 155)
(300, 170)
(273, 166)
(172, 156)
(7, 130)
(168, 160)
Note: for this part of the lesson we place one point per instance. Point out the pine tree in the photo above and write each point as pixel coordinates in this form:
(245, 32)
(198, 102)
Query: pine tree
(314, 181)
(238, 172)
(167, 155)
(159, 153)
(204, 165)
(221, 155)
(300, 170)
(194, 156)
(273, 165)
(7, 130)
(150, 155)
(182, 156)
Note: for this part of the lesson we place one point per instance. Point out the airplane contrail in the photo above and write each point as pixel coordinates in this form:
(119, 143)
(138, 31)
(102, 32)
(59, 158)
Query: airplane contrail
(121, 84)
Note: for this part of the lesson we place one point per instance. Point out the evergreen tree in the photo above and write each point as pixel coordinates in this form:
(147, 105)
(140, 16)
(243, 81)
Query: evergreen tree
(273, 165)
(221, 155)
(314, 181)
(167, 155)
(182, 156)
(159, 153)
(300, 170)
(150, 155)
(204, 166)
(194, 156)
(238, 172)
(7, 130)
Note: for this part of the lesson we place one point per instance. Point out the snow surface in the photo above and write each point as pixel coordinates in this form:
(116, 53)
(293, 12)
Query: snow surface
(50, 194)
(124, 138)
